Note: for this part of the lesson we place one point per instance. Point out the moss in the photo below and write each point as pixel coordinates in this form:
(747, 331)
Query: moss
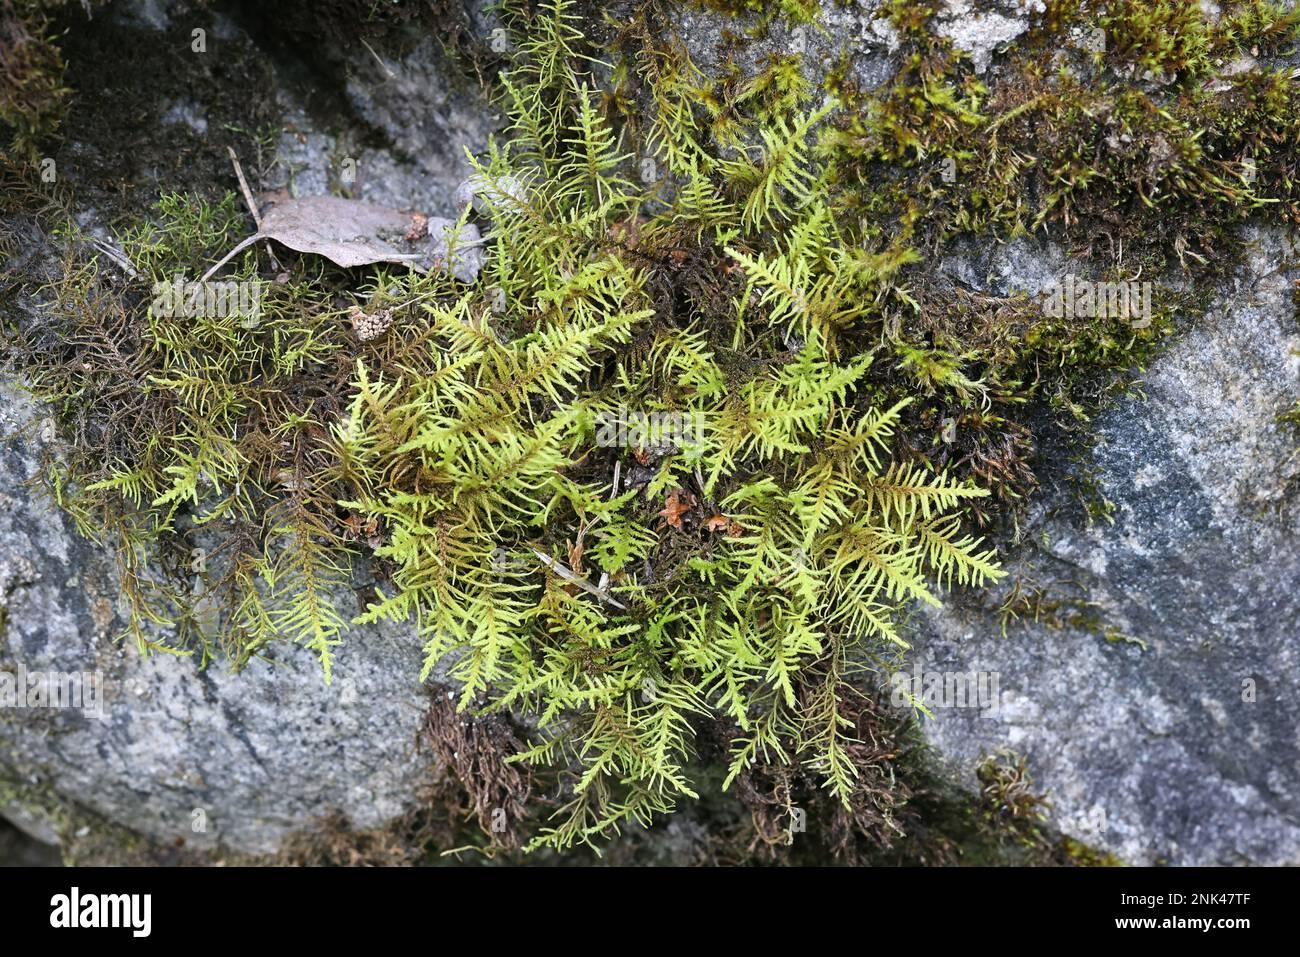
(1083, 855)
(1144, 156)
(1290, 420)
(906, 814)
(1058, 605)
(1161, 168)
(766, 11)
(33, 95)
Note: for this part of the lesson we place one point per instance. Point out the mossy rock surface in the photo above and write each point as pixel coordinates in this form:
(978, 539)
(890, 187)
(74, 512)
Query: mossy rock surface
(1143, 503)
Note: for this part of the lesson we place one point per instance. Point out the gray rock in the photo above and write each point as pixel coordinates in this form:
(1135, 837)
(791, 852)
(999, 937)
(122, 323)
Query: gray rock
(17, 849)
(1184, 748)
(251, 756)
(428, 121)
(981, 31)
(843, 30)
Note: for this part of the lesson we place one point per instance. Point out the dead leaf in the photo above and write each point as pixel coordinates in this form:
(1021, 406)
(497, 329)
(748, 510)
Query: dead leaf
(628, 231)
(678, 504)
(348, 232)
(351, 232)
(717, 522)
(575, 558)
(355, 527)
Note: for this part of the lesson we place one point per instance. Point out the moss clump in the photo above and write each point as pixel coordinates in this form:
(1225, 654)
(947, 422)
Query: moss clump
(32, 93)
(477, 805)
(620, 588)
(794, 11)
(1291, 420)
(1136, 125)
(1140, 135)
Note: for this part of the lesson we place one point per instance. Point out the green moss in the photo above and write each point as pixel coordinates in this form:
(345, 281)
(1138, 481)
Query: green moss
(906, 814)
(1059, 605)
(1290, 419)
(1163, 37)
(1136, 174)
(1085, 138)
(794, 11)
(275, 455)
(1083, 855)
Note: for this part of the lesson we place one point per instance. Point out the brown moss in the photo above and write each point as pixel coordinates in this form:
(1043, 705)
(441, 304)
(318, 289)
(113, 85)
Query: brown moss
(32, 93)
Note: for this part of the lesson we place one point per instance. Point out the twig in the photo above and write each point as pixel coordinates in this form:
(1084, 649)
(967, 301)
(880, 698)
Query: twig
(116, 255)
(390, 73)
(251, 204)
(240, 247)
(243, 185)
(564, 572)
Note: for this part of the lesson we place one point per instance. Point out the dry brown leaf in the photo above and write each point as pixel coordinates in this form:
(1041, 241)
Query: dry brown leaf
(348, 232)
(628, 231)
(717, 522)
(351, 232)
(575, 558)
(678, 504)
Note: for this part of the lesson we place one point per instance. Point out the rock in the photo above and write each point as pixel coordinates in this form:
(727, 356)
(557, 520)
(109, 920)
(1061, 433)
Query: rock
(850, 31)
(251, 756)
(856, 31)
(1181, 749)
(424, 117)
(982, 32)
(478, 192)
(17, 849)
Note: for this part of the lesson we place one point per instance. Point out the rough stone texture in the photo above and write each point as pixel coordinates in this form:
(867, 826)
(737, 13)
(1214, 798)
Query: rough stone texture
(19, 850)
(1163, 754)
(261, 753)
(425, 125)
(853, 30)
(981, 29)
